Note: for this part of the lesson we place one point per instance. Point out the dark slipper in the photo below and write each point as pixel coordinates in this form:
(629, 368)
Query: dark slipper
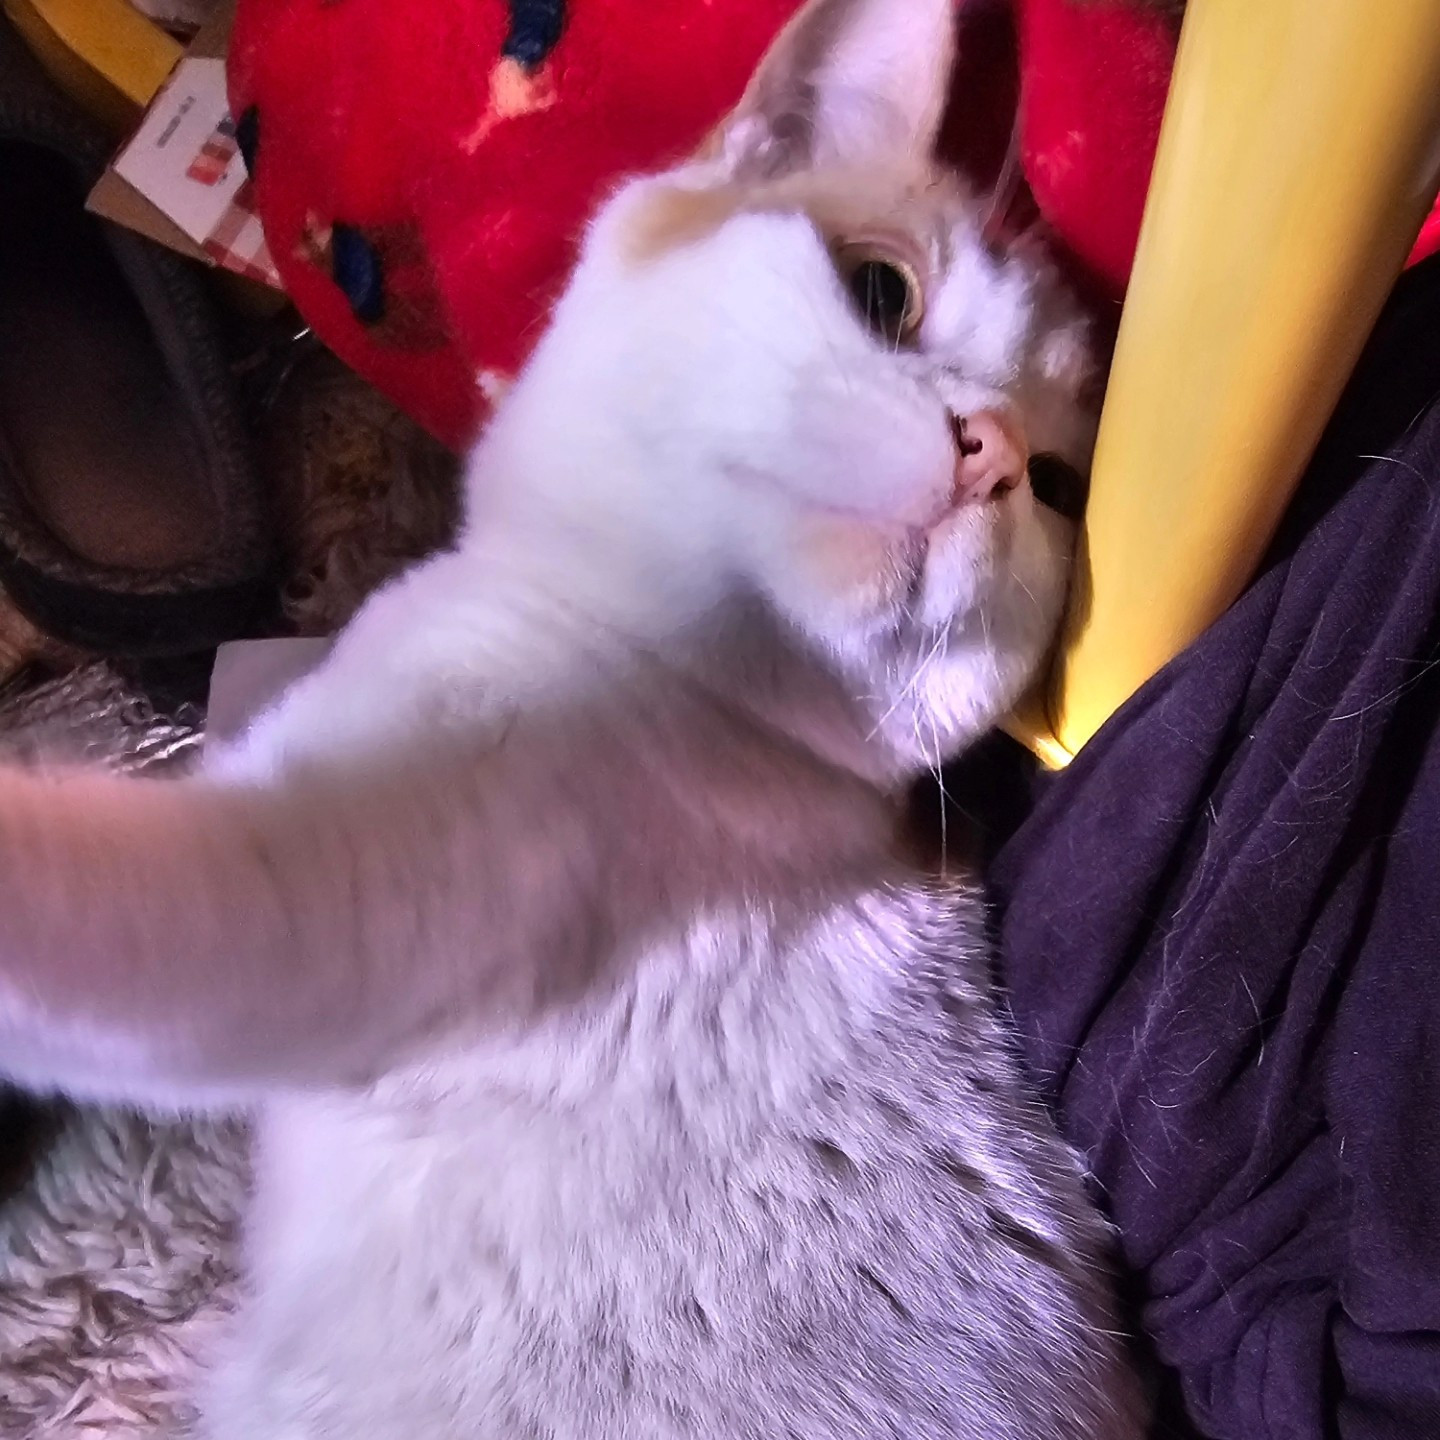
(131, 521)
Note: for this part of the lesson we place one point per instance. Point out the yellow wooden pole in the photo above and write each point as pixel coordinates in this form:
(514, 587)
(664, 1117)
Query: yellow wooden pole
(1299, 154)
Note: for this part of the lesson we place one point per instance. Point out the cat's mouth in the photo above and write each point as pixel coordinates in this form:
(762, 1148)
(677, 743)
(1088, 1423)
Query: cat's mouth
(1058, 485)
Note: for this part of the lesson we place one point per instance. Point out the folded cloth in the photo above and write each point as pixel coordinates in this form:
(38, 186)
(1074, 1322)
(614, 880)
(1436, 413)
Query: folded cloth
(1220, 928)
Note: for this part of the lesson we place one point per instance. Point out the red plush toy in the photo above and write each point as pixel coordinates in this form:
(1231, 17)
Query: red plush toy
(424, 172)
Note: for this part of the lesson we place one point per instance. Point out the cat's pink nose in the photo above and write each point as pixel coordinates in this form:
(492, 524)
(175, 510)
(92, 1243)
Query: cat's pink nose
(990, 456)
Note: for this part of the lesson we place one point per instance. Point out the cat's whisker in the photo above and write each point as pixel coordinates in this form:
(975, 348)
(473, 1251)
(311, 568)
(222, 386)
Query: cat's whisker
(1030, 594)
(937, 769)
(941, 639)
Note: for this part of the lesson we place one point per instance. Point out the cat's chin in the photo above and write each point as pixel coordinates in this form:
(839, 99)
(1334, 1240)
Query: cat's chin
(920, 738)
(950, 685)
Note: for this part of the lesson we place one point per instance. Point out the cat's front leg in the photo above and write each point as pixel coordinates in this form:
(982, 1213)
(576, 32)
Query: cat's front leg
(186, 941)
(190, 940)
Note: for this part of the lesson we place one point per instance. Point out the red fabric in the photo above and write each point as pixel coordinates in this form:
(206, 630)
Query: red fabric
(382, 116)
(1428, 241)
(345, 122)
(1094, 81)
(367, 114)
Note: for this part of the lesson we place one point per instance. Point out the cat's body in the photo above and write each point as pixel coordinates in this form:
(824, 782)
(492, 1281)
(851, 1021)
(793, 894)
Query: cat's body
(618, 1077)
(783, 1182)
(782, 1178)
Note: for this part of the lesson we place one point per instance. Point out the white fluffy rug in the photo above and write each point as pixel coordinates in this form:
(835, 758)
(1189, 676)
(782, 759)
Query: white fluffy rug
(117, 1270)
(118, 1254)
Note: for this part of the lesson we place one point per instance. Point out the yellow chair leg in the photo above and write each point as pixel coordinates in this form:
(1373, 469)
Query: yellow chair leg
(1299, 154)
(105, 54)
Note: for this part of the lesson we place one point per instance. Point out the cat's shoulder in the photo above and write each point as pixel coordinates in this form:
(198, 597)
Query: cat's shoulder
(408, 664)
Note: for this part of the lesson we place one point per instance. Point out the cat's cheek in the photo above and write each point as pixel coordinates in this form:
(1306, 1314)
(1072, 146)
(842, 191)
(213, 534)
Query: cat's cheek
(865, 437)
(839, 578)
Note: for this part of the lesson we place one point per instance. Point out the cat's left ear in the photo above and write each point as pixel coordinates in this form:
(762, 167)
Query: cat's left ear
(850, 82)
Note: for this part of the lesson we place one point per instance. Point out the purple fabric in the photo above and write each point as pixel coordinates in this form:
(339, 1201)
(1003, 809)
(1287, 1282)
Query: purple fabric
(1221, 932)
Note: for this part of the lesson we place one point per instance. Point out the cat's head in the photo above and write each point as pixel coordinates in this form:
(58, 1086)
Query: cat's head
(797, 366)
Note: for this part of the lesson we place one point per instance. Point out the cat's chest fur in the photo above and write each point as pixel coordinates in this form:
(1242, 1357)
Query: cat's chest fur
(685, 1209)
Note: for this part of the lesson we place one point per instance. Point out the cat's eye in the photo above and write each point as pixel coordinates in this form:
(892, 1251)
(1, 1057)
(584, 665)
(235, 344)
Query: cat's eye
(885, 290)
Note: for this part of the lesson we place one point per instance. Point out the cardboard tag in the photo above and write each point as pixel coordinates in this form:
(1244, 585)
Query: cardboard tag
(185, 160)
(250, 675)
(181, 181)
(184, 154)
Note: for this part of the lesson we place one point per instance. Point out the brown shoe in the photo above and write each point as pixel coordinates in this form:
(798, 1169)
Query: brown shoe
(131, 521)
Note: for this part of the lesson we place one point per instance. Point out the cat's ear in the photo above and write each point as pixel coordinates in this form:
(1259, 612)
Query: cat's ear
(853, 82)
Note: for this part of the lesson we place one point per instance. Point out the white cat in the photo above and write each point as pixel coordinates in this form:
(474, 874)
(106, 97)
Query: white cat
(617, 1077)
